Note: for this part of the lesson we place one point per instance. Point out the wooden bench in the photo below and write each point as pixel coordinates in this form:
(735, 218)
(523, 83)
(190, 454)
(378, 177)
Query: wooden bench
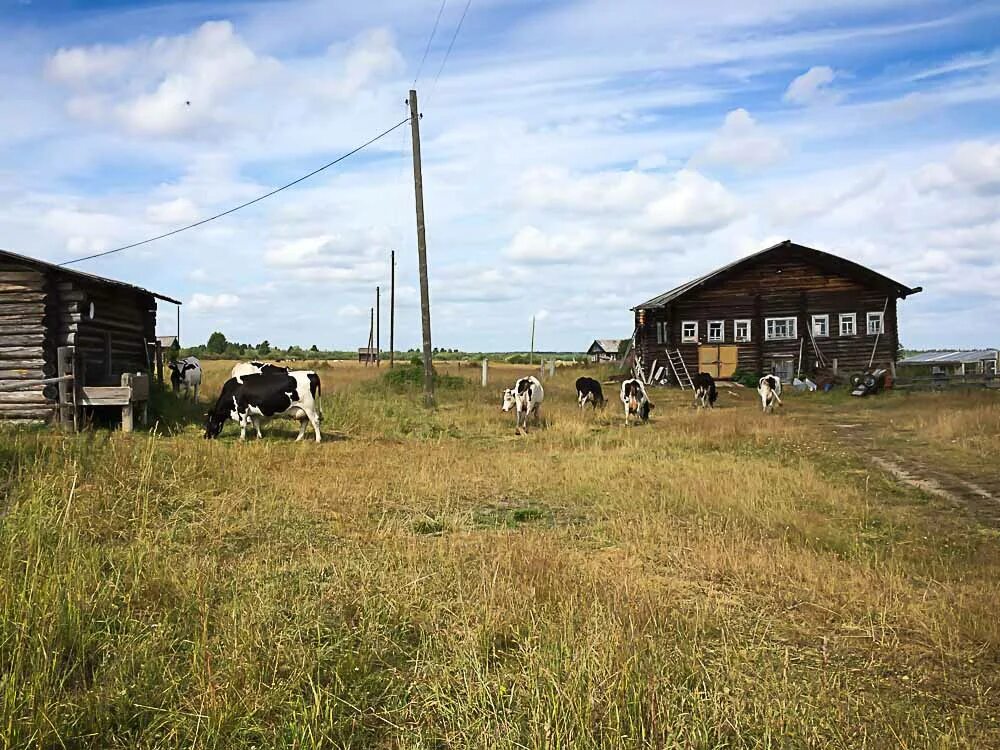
(132, 394)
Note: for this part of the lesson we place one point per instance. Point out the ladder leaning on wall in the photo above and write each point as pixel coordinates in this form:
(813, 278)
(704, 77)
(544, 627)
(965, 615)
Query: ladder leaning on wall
(679, 369)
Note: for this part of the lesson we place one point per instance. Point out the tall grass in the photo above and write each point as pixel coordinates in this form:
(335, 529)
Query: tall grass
(429, 579)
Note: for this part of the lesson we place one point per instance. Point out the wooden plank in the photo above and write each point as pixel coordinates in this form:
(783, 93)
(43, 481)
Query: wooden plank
(8, 340)
(104, 395)
(18, 276)
(23, 373)
(21, 298)
(20, 352)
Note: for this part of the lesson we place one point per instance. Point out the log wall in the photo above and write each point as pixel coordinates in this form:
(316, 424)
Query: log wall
(24, 295)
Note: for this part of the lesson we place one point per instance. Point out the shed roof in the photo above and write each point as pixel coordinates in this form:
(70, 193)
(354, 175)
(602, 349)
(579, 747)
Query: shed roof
(82, 275)
(609, 346)
(817, 257)
(950, 356)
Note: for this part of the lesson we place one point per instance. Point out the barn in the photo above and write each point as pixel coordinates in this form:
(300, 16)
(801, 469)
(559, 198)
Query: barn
(788, 309)
(604, 350)
(105, 329)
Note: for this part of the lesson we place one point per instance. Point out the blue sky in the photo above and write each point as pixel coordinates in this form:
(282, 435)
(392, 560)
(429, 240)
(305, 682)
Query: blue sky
(579, 157)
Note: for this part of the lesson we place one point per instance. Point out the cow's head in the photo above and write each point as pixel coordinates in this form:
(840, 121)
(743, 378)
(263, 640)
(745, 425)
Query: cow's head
(175, 373)
(509, 399)
(214, 423)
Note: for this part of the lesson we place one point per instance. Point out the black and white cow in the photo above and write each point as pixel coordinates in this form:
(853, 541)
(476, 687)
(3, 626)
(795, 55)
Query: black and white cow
(265, 395)
(705, 392)
(526, 398)
(588, 391)
(185, 376)
(254, 368)
(636, 402)
(769, 389)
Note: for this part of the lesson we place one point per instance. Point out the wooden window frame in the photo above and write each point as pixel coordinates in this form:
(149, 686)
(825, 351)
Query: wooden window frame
(749, 334)
(661, 337)
(722, 332)
(875, 315)
(825, 317)
(685, 339)
(853, 317)
(793, 328)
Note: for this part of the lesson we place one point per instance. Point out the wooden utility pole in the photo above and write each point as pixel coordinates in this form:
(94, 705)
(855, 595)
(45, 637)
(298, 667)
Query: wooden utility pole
(425, 302)
(178, 325)
(531, 358)
(378, 334)
(371, 336)
(392, 308)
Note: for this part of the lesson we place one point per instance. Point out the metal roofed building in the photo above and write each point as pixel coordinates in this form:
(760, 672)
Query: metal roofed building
(954, 362)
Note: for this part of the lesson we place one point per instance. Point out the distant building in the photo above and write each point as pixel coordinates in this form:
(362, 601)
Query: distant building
(953, 362)
(604, 350)
(368, 355)
(168, 342)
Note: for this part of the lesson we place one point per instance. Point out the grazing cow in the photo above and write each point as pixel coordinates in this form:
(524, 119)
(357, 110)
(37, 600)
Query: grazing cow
(705, 391)
(635, 400)
(264, 395)
(589, 391)
(769, 389)
(526, 398)
(254, 368)
(185, 376)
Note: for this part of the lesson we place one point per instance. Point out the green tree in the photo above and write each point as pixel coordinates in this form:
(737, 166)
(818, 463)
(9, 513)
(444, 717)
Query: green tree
(314, 348)
(217, 343)
(264, 347)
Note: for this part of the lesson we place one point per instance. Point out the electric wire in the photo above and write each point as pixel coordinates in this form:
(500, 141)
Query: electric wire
(430, 40)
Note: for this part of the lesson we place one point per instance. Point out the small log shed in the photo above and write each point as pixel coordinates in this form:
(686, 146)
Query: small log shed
(103, 330)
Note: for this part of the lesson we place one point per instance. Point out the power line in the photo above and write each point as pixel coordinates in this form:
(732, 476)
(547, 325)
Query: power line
(451, 43)
(429, 41)
(259, 198)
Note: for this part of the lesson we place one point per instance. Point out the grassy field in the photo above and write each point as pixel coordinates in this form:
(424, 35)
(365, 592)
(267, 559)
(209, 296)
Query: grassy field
(422, 579)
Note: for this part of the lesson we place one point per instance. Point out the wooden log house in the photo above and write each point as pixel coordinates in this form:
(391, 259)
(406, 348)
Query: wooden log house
(788, 309)
(111, 326)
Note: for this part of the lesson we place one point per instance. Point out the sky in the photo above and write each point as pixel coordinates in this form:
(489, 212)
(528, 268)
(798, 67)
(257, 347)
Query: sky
(579, 156)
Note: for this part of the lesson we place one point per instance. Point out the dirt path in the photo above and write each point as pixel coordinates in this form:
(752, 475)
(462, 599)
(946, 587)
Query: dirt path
(976, 495)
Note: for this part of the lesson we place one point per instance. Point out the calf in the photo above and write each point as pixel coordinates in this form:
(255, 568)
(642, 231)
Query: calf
(264, 395)
(254, 368)
(635, 400)
(589, 391)
(769, 389)
(185, 376)
(526, 398)
(705, 391)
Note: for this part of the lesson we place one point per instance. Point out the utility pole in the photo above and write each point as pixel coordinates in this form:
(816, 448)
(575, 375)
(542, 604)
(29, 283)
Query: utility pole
(531, 359)
(425, 302)
(392, 308)
(378, 335)
(371, 336)
(178, 325)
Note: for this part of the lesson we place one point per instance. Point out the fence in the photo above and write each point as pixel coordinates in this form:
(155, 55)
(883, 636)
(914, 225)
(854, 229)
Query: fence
(943, 381)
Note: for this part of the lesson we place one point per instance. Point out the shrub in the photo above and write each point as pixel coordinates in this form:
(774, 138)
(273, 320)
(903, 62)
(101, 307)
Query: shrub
(412, 376)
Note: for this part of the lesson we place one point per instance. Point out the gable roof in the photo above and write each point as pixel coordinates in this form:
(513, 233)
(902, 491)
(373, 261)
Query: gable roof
(816, 257)
(608, 346)
(28, 260)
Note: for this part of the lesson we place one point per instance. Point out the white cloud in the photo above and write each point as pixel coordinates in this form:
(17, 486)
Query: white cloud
(79, 66)
(350, 311)
(201, 302)
(177, 212)
(973, 165)
(743, 144)
(811, 87)
(532, 245)
(693, 203)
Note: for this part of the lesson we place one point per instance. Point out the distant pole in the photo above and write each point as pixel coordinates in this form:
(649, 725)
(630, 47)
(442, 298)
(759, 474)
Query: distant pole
(425, 302)
(178, 325)
(531, 359)
(392, 308)
(486, 371)
(371, 336)
(378, 334)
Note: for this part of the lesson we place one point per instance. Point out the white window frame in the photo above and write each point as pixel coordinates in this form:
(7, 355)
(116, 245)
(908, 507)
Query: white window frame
(689, 339)
(745, 339)
(853, 317)
(722, 331)
(826, 324)
(873, 316)
(660, 339)
(793, 328)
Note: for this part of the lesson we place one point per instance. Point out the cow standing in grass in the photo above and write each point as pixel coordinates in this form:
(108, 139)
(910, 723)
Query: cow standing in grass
(526, 398)
(636, 402)
(769, 389)
(588, 391)
(705, 392)
(185, 376)
(264, 395)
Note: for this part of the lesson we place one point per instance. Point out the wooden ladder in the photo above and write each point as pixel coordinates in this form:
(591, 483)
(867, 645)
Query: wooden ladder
(679, 368)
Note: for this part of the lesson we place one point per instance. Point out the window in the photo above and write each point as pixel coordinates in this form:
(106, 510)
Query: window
(874, 323)
(779, 328)
(716, 330)
(659, 333)
(741, 331)
(848, 325)
(989, 367)
(689, 331)
(821, 325)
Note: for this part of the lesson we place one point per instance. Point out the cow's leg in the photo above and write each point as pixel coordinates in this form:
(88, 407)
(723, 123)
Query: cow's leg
(302, 428)
(243, 426)
(256, 426)
(196, 392)
(776, 397)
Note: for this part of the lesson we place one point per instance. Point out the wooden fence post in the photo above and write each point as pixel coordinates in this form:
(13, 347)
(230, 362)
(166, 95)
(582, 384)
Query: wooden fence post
(486, 371)
(127, 424)
(67, 389)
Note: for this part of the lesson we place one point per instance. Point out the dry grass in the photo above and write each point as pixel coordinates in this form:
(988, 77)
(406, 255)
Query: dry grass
(430, 580)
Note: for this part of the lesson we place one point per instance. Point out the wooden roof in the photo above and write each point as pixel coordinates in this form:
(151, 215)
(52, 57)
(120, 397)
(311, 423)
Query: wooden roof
(608, 346)
(27, 260)
(827, 261)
